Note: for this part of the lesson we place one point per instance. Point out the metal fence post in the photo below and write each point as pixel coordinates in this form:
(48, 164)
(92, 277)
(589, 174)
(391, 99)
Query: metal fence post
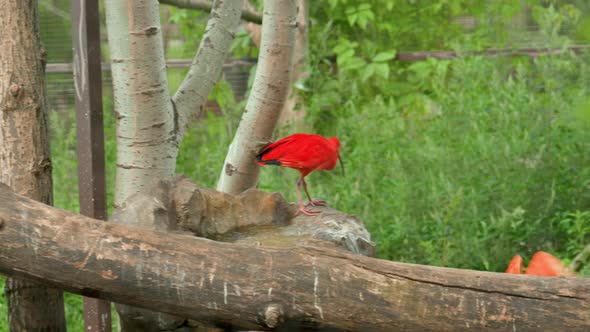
(90, 135)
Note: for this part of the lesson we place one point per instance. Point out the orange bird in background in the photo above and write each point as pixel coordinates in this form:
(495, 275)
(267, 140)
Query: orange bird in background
(305, 153)
(542, 264)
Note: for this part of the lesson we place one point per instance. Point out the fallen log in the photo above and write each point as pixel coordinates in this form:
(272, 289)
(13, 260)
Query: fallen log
(256, 287)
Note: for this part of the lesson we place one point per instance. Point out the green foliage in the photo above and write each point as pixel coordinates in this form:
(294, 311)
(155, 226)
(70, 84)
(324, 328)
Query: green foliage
(465, 162)
(485, 172)
(191, 24)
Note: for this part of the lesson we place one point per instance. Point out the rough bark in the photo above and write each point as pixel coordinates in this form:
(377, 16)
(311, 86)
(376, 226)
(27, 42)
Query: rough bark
(191, 97)
(266, 99)
(258, 287)
(247, 14)
(25, 163)
(254, 217)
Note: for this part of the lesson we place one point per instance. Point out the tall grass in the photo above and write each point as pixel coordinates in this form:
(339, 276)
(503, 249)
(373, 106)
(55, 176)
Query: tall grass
(489, 171)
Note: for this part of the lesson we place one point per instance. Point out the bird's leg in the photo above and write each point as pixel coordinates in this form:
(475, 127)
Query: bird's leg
(302, 208)
(317, 202)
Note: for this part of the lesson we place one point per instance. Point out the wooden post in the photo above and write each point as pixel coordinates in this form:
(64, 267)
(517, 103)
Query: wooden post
(90, 136)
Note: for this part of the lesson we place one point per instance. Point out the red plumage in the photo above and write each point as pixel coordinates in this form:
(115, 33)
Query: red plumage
(542, 264)
(305, 153)
(515, 266)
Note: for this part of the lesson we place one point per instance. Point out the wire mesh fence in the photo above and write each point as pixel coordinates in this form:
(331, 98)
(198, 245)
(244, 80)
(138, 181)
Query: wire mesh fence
(55, 24)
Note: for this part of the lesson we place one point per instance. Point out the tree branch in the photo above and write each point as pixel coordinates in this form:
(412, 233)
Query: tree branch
(269, 92)
(205, 70)
(205, 5)
(256, 287)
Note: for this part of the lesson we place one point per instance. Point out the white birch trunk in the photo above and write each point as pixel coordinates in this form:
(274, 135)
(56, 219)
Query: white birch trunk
(149, 127)
(293, 113)
(147, 144)
(269, 92)
(205, 70)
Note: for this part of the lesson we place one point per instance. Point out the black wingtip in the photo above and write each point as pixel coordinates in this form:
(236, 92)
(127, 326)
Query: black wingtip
(274, 162)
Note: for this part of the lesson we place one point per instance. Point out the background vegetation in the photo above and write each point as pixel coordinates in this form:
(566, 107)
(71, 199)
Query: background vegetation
(461, 163)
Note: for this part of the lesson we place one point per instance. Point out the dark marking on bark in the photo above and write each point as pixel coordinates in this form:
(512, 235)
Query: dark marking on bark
(42, 166)
(151, 92)
(207, 42)
(115, 60)
(1, 224)
(118, 115)
(149, 31)
(229, 169)
(155, 125)
(43, 57)
(152, 31)
(175, 118)
(130, 166)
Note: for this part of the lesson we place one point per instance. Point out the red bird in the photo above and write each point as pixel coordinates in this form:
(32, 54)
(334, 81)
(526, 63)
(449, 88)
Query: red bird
(305, 153)
(542, 264)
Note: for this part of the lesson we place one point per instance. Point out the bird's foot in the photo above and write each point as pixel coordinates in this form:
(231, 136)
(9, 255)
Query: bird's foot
(305, 211)
(316, 202)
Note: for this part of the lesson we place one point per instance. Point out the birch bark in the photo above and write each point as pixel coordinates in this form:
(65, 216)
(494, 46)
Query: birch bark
(268, 95)
(205, 70)
(149, 125)
(147, 144)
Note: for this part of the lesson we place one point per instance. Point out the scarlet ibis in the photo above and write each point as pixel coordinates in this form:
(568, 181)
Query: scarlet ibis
(305, 153)
(542, 264)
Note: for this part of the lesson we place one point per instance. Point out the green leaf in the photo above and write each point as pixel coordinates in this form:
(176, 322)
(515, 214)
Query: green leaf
(382, 69)
(364, 6)
(353, 63)
(344, 57)
(333, 3)
(368, 72)
(384, 56)
(352, 18)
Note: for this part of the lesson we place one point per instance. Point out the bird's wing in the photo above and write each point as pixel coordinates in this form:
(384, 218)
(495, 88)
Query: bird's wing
(302, 151)
(544, 264)
(515, 266)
